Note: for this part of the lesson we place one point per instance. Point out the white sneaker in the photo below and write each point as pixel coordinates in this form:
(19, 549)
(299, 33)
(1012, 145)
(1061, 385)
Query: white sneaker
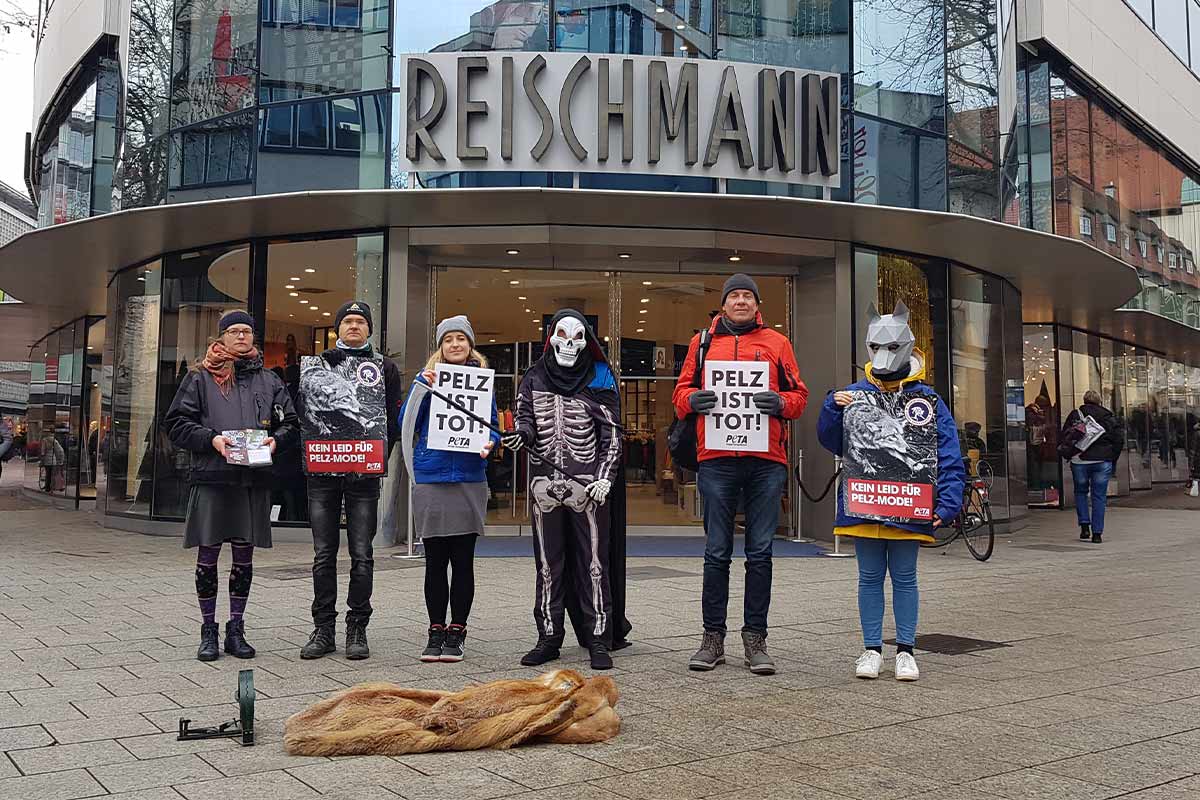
(868, 664)
(906, 667)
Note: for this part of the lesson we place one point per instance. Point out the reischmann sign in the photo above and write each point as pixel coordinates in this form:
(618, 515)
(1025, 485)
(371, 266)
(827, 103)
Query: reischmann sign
(565, 112)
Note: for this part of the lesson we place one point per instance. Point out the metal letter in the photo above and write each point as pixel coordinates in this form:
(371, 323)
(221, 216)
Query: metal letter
(820, 129)
(606, 110)
(729, 105)
(529, 81)
(506, 108)
(777, 120)
(418, 124)
(661, 104)
(564, 106)
(466, 107)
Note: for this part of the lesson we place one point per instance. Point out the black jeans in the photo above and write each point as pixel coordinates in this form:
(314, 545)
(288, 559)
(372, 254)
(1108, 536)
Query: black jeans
(759, 484)
(325, 497)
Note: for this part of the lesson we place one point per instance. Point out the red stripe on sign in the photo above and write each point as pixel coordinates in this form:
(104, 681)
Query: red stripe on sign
(912, 501)
(345, 456)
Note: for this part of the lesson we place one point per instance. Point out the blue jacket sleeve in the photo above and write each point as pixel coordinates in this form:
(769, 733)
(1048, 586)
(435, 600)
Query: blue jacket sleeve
(952, 476)
(829, 426)
(495, 437)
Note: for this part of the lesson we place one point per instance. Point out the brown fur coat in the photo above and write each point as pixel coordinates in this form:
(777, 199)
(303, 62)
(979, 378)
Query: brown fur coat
(385, 719)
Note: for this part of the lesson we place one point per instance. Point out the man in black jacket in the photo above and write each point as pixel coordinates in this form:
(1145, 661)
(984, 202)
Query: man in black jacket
(361, 496)
(1092, 466)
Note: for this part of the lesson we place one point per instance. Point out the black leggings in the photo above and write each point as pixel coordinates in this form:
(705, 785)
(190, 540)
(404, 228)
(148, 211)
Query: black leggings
(458, 553)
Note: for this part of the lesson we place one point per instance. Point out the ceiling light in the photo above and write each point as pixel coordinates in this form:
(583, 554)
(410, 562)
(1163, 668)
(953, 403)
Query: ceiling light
(683, 47)
(527, 311)
(640, 330)
(644, 311)
(309, 269)
(326, 314)
(680, 27)
(314, 308)
(291, 315)
(513, 251)
(624, 255)
(293, 294)
(143, 280)
(293, 279)
(735, 259)
(647, 283)
(290, 286)
(778, 325)
(606, 338)
(90, 347)
(491, 340)
(645, 299)
(514, 283)
(522, 297)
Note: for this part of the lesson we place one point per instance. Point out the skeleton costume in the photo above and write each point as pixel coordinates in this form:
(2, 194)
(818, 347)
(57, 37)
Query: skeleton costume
(567, 416)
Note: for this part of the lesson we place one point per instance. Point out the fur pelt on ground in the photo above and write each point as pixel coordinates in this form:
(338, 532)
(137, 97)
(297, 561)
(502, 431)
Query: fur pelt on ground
(385, 719)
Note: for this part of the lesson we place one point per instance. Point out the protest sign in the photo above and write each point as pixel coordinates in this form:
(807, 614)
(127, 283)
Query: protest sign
(736, 423)
(889, 456)
(449, 428)
(343, 416)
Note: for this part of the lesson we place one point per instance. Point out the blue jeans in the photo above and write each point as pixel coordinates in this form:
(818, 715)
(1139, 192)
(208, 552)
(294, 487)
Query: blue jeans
(877, 557)
(758, 483)
(1091, 479)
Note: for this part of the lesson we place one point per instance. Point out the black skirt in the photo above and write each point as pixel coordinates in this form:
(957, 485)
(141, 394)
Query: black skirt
(217, 514)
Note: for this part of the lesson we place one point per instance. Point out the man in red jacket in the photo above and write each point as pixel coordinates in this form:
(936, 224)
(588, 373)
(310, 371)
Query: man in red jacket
(727, 478)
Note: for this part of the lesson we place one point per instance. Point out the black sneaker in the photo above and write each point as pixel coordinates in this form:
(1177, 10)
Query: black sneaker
(437, 640)
(1085, 531)
(208, 650)
(356, 642)
(598, 651)
(452, 648)
(1096, 538)
(545, 650)
(320, 642)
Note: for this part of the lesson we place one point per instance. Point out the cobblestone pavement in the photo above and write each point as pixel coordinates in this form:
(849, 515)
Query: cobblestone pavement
(1095, 694)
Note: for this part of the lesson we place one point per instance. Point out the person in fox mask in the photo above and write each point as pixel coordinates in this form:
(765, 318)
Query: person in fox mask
(567, 419)
(898, 427)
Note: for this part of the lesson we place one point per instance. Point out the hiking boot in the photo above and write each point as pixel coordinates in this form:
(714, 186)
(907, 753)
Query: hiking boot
(208, 642)
(437, 640)
(235, 639)
(319, 643)
(545, 650)
(599, 656)
(452, 649)
(1097, 538)
(711, 652)
(1085, 531)
(756, 653)
(356, 642)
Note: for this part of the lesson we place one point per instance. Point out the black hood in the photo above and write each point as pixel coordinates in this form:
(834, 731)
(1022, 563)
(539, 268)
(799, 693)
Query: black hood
(572, 380)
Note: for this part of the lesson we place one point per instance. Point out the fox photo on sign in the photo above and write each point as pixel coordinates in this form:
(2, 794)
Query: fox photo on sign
(343, 416)
(889, 456)
(736, 423)
(449, 427)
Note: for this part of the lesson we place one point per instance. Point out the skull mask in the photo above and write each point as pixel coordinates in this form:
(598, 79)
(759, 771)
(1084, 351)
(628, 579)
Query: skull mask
(889, 339)
(569, 340)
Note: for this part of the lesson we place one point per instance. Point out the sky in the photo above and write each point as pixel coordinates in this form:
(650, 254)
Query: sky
(16, 99)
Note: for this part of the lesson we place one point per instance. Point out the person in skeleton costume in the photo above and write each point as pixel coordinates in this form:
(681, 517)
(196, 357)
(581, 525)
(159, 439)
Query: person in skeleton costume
(897, 368)
(567, 417)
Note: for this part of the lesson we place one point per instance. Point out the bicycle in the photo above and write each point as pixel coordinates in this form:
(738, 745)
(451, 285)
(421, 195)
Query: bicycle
(974, 524)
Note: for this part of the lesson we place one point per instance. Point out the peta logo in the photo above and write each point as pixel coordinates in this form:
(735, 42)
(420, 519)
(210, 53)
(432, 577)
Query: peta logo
(918, 411)
(369, 374)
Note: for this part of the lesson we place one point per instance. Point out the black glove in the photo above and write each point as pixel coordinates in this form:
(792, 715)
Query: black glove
(703, 401)
(769, 403)
(514, 440)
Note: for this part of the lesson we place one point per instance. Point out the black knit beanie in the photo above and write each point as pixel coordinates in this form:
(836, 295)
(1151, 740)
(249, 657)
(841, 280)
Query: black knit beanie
(354, 307)
(238, 317)
(740, 281)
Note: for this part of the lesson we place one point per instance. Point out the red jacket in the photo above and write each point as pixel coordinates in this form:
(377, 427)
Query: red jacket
(760, 344)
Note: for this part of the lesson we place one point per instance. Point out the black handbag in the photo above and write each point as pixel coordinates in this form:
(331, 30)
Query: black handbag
(681, 436)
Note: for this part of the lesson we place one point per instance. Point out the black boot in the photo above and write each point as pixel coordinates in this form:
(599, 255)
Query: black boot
(235, 640)
(599, 655)
(356, 641)
(320, 642)
(209, 651)
(545, 650)
(1085, 531)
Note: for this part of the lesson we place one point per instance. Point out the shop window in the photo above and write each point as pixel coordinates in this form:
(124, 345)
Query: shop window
(307, 281)
(898, 166)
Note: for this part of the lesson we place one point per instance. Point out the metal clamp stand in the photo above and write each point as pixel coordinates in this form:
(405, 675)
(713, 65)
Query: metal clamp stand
(243, 726)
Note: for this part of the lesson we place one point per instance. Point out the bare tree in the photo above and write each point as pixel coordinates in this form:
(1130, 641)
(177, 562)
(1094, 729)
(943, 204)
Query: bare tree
(16, 19)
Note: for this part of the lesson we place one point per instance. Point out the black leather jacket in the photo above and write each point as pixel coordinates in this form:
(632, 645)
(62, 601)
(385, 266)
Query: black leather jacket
(1108, 446)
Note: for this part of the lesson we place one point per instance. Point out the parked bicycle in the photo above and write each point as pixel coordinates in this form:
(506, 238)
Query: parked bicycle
(974, 524)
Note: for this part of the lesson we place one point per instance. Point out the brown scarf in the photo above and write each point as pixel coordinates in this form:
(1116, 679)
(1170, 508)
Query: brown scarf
(218, 362)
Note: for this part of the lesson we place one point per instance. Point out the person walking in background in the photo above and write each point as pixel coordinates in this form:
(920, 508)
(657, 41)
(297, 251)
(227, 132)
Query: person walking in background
(228, 390)
(1093, 466)
(7, 446)
(728, 479)
(449, 501)
(360, 495)
(883, 548)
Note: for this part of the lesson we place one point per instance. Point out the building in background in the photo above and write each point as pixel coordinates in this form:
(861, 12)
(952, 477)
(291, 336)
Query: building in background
(17, 216)
(1029, 202)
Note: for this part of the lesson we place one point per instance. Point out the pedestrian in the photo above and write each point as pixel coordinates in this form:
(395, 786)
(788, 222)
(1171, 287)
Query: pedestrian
(1093, 466)
(449, 500)
(883, 548)
(7, 446)
(1194, 462)
(359, 493)
(728, 480)
(228, 390)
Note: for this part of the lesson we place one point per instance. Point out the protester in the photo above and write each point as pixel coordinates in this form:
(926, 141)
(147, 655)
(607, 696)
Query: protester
(567, 412)
(228, 390)
(891, 547)
(360, 495)
(449, 501)
(730, 479)
(1092, 468)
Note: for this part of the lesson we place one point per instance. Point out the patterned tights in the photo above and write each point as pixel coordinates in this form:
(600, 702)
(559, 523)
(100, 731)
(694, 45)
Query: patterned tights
(241, 573)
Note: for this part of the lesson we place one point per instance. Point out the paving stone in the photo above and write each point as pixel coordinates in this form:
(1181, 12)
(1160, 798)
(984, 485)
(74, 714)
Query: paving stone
(159, 745)
(36, 715)
(70, 756)
(361, 771)
(154, 773)
(871, 781)
(1119, 770)
(93, 730)
(70, 785)
(262, 758)
(664, 783)
(268, 786)
(1031, 784)
(122, 706)
(23, 738)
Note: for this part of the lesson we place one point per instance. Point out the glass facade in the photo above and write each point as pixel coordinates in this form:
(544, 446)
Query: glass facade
(1177, 23)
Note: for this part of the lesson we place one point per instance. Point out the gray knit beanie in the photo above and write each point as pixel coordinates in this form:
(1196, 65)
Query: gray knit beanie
(740, 281)
(459, 323)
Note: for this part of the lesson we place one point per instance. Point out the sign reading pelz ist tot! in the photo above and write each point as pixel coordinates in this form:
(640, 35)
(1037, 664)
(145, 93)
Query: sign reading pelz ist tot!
(449, 428)
(736, 423)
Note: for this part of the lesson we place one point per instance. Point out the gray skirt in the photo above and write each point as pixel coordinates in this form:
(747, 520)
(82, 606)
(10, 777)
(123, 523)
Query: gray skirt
(449, 509)
(217, 514)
